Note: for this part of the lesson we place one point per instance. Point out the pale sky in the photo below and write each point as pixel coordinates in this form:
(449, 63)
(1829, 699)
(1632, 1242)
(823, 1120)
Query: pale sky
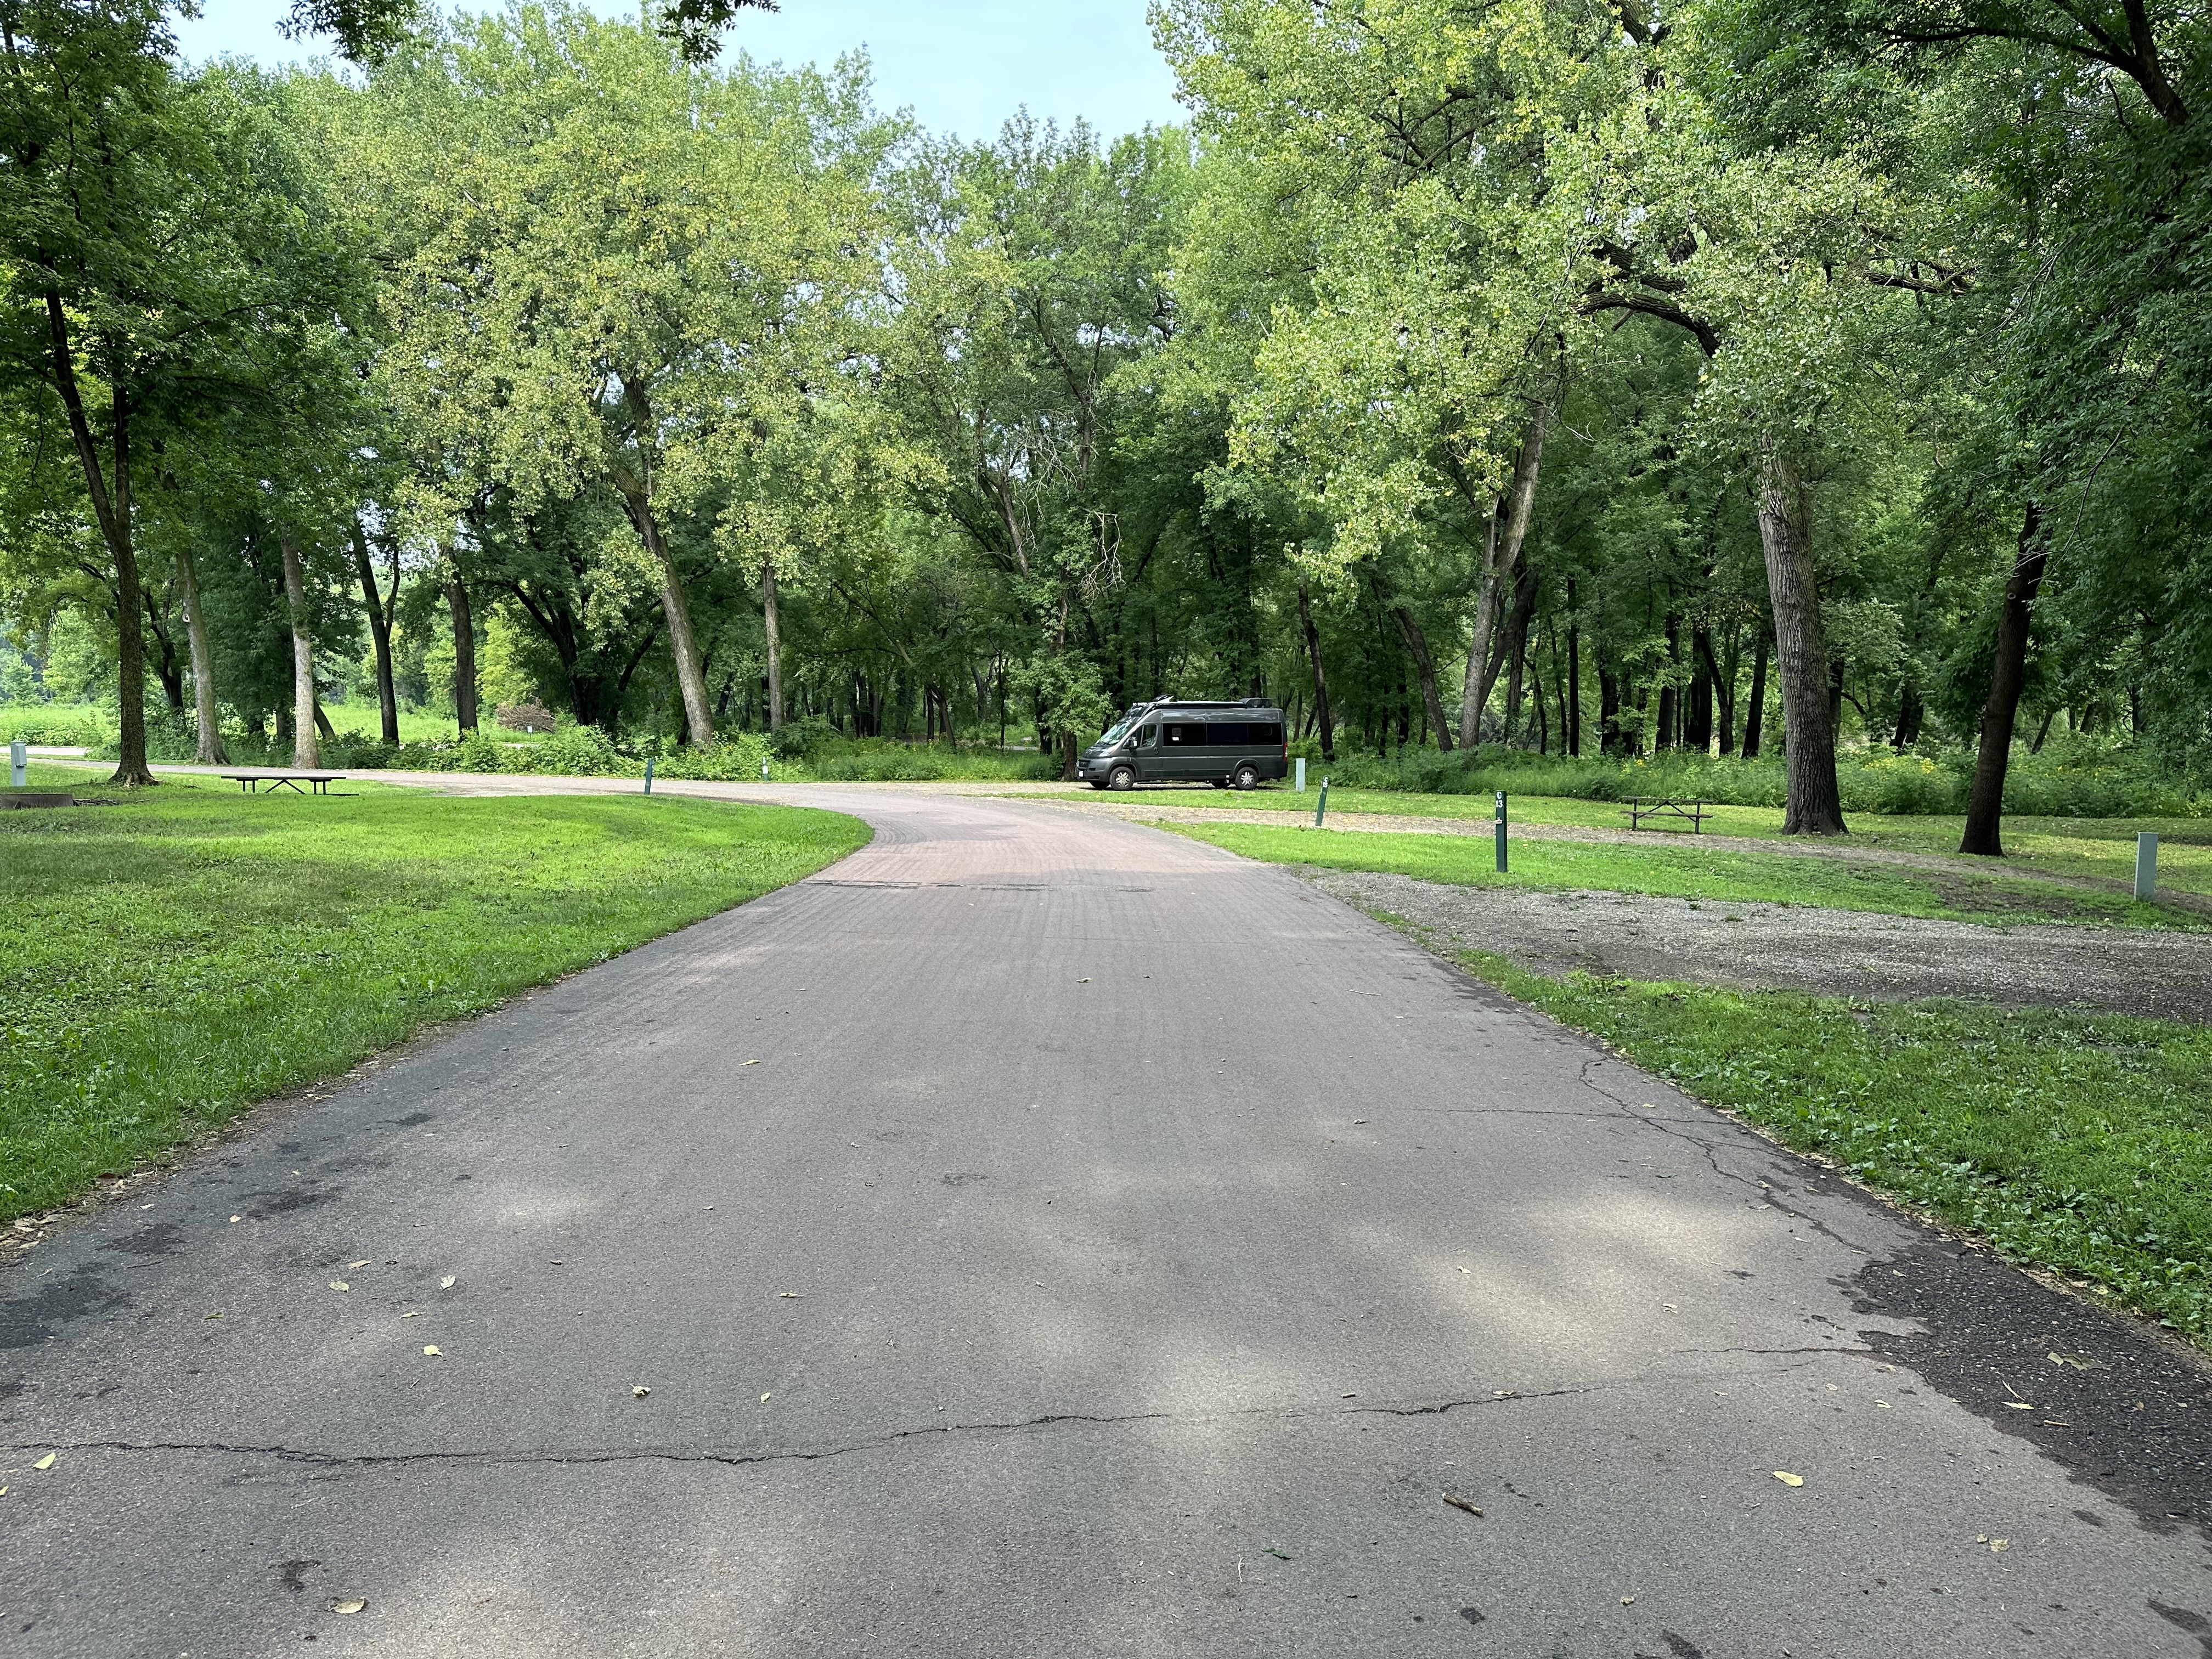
(961, 66)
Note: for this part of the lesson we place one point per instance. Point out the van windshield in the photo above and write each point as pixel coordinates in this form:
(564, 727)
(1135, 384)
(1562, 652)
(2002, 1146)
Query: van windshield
(1121, 729)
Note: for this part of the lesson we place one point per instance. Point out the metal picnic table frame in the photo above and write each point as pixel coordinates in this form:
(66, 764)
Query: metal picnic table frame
(1640, 807)
(319, 783)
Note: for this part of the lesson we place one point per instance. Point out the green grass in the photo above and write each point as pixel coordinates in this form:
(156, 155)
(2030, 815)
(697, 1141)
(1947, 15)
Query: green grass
(2071, 847)
(2075, 1143)
(1714, 870)
(176, 957)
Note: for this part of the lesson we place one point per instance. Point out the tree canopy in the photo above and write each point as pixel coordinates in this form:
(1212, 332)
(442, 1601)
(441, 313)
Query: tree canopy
(1708, 377)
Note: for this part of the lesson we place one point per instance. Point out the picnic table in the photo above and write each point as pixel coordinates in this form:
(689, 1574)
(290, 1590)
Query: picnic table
(1640, 807)
(319, 783)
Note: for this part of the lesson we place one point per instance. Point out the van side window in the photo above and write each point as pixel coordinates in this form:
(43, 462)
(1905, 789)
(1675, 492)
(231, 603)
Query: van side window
(1148, 737)
(1181, 735)
(1268, 736)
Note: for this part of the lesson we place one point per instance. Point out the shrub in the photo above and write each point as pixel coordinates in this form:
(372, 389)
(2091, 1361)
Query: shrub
(71, 724)
(2081, 780)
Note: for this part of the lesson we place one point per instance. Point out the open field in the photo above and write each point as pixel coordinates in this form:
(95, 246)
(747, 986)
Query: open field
(179, 956)
(1718, 870)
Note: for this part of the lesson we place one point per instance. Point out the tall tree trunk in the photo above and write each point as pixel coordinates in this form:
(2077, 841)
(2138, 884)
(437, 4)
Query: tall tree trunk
(379, 629)
(1573, 722)
(682, 643)
(1664, 730)
(1754, 715)
(1517, 649)
(1801, 647)
(1425, 665)
(2007, 674)
(111, 509)
(1501, 551)
(1910, 713)
(772, 621)
(1610, 740)
(1721, 684)
(1697, 718)
(465, 654)
(166, 667)
(1320, 679)
(304, 755)
(206, 710)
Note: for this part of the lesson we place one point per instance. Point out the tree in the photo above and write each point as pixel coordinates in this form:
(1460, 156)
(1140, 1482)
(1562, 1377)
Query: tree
(578, 358)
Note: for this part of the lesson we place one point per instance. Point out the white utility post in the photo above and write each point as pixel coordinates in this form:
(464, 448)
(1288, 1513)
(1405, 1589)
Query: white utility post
(19, 758)
(2146, 863)
(1302, 774)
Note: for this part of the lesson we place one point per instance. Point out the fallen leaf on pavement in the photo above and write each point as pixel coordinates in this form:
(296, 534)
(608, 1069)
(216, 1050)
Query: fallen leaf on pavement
(639, 1391)
(356, 1264)
(752, 1062)
(769, 1395)
(791, 1296)
(340, 1285)
(1277, 1554)
(1999, 1545)
(2020, 1405)
(411, 1314)
(217, 1314)
(432, 1350)
(45, 1462)
(1788, 1479)
(351, 1604)
(1459, 1503)
(447, 1283)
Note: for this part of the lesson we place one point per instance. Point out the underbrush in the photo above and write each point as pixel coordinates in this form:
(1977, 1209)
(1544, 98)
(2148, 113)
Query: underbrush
(75, 725)
(2080, 781)
(803, 751)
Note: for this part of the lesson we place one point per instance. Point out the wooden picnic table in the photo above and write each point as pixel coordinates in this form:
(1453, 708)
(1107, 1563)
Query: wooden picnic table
(319, 783)
(1640, 807)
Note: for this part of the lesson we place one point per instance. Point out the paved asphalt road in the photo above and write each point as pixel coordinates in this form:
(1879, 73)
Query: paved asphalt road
(1115, 1248)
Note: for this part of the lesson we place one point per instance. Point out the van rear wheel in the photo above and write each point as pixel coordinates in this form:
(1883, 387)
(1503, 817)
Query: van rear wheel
(1121, 777)
(1247, 776)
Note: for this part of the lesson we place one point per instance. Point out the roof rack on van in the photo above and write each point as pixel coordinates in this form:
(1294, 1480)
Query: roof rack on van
(1200, 702)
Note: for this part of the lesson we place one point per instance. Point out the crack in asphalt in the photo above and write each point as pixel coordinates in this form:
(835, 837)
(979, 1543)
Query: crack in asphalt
(1672, 1128)
(1502, 1397)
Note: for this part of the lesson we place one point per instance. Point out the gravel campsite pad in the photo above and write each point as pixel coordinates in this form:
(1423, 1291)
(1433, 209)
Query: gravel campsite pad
(2141, 971)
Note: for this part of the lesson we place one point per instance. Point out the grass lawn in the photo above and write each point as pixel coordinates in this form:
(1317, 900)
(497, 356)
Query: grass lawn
(1707, 871)
(2076, 1143)
(2073, 847)
(175, 958)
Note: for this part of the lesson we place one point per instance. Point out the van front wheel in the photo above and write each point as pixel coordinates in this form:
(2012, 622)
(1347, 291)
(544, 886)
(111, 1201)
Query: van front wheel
(1121, 777)
(1247, 776)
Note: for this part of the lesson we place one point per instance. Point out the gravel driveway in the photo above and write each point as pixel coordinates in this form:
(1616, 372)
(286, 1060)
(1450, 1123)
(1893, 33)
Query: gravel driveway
(2161, 973)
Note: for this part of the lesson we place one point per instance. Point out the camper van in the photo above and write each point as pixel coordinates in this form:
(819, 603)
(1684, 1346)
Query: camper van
(1228, 744)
